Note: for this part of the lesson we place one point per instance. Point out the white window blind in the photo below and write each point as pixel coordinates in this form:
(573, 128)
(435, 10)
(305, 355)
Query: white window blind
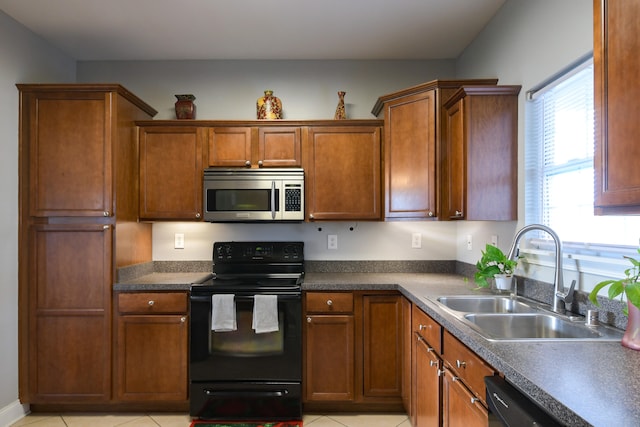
(559, 147)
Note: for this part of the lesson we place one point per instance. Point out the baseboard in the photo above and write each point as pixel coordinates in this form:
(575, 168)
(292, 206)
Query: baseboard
(12, 413)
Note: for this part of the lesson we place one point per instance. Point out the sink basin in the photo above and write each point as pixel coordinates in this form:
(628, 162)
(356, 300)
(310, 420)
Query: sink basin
(537, 326)
(485, 304)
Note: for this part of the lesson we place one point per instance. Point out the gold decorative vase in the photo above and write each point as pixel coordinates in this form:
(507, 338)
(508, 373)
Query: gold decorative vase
(269, 107)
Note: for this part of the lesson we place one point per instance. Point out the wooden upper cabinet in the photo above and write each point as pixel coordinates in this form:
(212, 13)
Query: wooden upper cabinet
(617, 104)
(481, 165)
(279, 147)
(255, 146)
(171, 160)
(71, 136)
(230, 146)
(410, 157)
(414, 131)
(342, 172)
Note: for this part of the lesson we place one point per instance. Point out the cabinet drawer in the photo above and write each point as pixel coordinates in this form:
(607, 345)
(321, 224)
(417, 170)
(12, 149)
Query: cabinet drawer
(152, 302)
(427, 328)
(329, 302)
(466, 364)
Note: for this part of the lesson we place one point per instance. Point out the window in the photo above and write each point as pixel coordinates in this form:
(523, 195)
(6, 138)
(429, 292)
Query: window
(559, 149)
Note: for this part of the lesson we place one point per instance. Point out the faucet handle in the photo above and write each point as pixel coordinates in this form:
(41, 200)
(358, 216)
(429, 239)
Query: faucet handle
(568, 297)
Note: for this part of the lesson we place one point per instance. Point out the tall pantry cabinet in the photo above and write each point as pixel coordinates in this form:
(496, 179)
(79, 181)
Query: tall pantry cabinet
(78, 222)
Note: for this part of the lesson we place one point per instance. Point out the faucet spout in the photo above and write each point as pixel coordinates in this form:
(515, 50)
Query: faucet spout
(560, 298)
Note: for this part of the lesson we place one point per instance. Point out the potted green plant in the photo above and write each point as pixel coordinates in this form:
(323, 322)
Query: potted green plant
(494, 264)
(629, 287)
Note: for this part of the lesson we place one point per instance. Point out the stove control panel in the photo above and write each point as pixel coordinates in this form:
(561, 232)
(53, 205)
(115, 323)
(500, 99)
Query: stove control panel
(257, 252)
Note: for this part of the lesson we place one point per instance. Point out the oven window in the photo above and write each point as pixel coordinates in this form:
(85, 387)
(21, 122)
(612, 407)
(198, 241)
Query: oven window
(245, 342)
(240, 200)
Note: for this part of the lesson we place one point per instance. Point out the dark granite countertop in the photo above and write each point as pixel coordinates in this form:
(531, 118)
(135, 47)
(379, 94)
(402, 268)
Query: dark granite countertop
(581, 383)
(162, 282)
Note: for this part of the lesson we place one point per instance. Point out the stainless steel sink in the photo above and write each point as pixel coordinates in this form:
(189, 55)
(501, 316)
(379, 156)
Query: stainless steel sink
(537, 326)
(506, 318)
(486, 304)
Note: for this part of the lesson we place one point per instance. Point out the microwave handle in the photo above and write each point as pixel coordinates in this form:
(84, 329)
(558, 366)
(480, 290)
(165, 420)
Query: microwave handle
(273, 200)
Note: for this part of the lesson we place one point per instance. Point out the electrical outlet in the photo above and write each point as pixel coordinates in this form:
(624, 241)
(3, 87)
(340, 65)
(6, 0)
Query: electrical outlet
(469, 242)
(332, 241)
(494, 240)
(416, 240)
(178, 242)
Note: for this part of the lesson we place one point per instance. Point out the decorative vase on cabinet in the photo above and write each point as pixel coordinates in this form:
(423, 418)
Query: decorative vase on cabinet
(269, 106)
(340, 112)
(185, 108)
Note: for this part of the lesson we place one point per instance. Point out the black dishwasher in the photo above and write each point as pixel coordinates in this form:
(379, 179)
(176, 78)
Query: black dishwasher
(509, 407)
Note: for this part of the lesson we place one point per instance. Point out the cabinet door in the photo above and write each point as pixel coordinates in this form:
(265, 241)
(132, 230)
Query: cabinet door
(616, 101)
(171, 172)
(382, 323)
(152, 357)
(428, 365)
(70, 154)
(410, 157)
(230, 146)
(456, 162)
(460, 407)
(407, 338)
(342, 168)
(329, 357)
(279, 147)
(68, 345)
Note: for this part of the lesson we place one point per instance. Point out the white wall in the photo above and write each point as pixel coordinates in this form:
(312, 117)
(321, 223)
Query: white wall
(24, 58)
(524, 44)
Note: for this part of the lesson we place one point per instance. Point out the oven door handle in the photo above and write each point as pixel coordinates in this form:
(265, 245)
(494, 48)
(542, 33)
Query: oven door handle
(281, 296)
(245, 393)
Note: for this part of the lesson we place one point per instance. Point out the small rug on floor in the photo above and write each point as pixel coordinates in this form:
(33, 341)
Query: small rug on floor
(199, 423)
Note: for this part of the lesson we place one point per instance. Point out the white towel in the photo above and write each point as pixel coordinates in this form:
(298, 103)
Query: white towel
(265, 313)
(223, 313)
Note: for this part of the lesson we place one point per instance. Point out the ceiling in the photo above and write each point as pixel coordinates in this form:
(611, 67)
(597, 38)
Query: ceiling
(89, 30)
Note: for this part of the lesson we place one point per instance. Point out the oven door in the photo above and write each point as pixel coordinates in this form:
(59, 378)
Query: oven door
(243, 355)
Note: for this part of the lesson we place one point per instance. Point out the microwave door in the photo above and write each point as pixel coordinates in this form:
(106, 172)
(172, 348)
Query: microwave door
(238, 200)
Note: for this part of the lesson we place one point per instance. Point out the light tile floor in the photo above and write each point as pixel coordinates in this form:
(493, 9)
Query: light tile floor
(183, 420)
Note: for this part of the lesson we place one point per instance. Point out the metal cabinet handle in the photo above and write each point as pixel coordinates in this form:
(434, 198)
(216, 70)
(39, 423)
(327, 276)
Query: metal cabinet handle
(461, 364)
(308, 319)
(433, 363)
(151, 302)
(106, 213)
(183, 319)
(260, 163)
(423, 327)
(458, 213)
(247, 163)
(430, 213)
(329, 302)
(197, 214)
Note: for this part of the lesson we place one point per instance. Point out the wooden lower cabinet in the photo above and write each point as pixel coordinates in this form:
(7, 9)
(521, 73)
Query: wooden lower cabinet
(353, 351)
(428, 368)
(460, 407)
(447, 378)
(151, 342)
(329, 358)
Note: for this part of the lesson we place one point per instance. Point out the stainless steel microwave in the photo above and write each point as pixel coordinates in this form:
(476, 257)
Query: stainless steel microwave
(253, 195)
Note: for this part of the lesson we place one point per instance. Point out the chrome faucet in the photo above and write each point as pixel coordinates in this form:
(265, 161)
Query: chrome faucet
(560, 298)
